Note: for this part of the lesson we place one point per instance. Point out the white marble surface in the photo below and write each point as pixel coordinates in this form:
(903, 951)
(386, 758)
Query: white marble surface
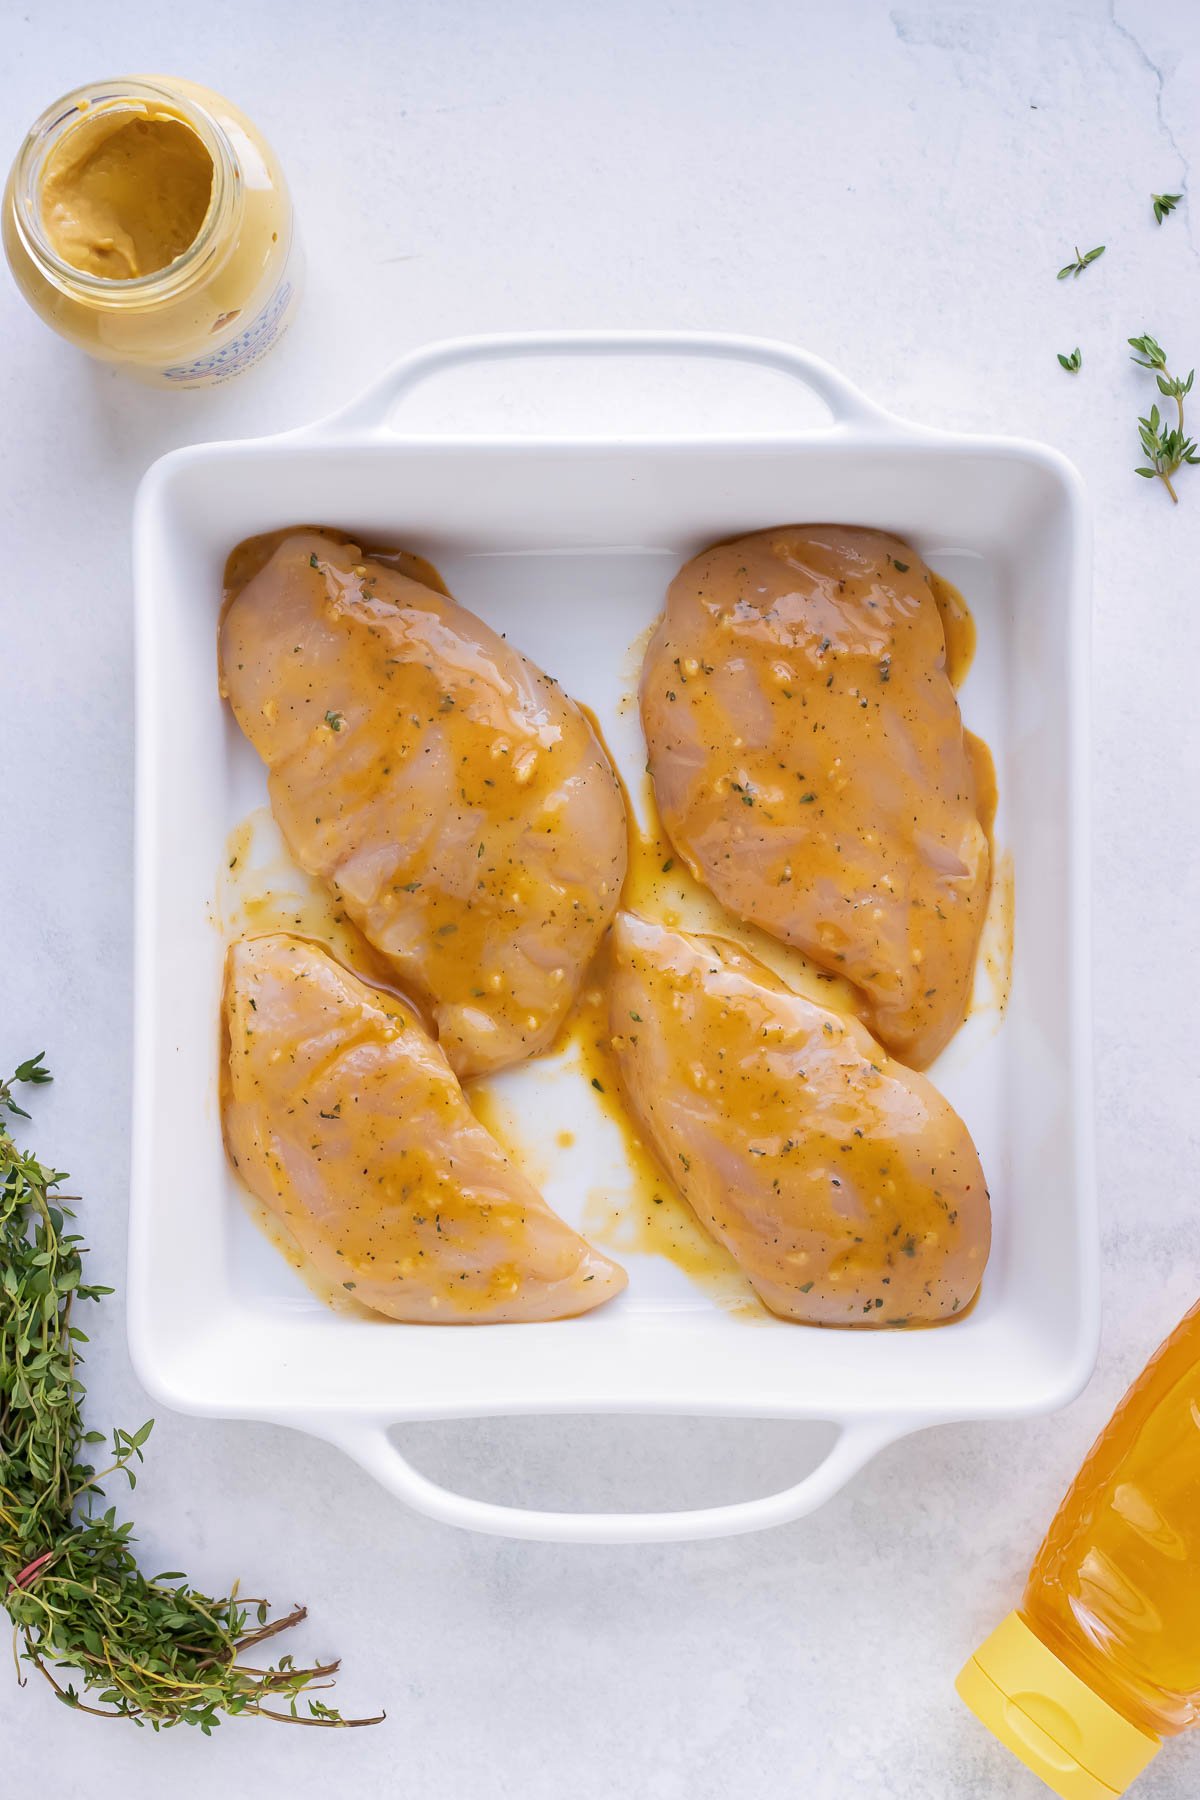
(893, 187)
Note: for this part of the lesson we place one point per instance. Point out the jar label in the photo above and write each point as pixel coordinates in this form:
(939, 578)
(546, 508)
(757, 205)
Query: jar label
(242, 351)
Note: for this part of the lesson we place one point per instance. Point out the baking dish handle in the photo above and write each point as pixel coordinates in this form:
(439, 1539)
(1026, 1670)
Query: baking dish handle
(373, 412)
(369, 1443)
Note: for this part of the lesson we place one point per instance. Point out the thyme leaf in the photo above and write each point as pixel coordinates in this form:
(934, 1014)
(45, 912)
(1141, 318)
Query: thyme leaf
(1080, 263)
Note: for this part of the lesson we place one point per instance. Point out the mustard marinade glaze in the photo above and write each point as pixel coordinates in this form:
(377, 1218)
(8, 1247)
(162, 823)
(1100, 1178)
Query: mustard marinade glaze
(148, 222)
(927, 1267)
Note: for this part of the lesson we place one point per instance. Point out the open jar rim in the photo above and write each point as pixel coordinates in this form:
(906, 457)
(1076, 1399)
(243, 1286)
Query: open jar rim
(133, 97)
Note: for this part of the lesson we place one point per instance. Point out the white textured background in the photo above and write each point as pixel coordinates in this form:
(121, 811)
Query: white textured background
(893, 187)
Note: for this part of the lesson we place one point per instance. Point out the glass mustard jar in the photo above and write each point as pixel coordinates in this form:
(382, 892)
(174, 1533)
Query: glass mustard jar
(148, 222)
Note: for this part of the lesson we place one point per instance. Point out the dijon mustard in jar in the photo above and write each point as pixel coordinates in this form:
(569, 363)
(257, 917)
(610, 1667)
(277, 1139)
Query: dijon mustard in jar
(148, 221)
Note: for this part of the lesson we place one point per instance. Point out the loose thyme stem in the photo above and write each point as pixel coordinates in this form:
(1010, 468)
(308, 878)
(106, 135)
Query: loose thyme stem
(1167, 447)
(1080, 263)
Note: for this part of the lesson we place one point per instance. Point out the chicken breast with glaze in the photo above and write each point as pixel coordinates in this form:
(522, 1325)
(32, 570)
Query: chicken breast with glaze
(842, 1182)
(343, 1117)
(810, 765)
(455, 800)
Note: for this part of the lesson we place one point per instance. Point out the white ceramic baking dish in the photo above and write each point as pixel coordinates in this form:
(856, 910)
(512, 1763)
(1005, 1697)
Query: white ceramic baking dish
(567, 544)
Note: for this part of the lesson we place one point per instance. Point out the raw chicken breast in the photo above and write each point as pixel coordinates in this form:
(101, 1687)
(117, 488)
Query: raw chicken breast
(809, 764)
(342, 1115)
(845, 1186)
(458, 804)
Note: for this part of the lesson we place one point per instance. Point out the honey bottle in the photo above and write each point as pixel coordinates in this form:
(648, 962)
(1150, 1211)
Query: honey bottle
(1101, 1660)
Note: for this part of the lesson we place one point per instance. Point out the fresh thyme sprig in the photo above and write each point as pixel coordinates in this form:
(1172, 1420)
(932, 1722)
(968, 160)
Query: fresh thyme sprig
(1167, 447)
(149, 1649)
(1080, 263)
(1164, 204)
(1072, 363)
(35, 1072)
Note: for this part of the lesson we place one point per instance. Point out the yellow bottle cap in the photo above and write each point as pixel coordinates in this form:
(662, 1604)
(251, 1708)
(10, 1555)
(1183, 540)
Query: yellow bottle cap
(1082, 1747)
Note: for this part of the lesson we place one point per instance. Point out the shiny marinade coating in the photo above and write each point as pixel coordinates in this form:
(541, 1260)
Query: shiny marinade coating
(842, 1182)
(343, 1116)
(455, 800)
(809, 763)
